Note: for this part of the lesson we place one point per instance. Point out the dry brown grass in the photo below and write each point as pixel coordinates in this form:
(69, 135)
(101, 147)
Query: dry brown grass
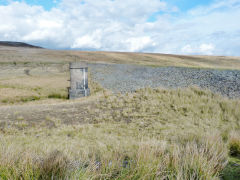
(151, 134)
(88, 152)
(42, 84)
(23, 89)
(162, 134)
(26, 55)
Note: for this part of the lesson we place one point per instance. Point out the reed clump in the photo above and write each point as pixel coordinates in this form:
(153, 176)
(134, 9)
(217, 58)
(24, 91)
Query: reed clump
(148, 159)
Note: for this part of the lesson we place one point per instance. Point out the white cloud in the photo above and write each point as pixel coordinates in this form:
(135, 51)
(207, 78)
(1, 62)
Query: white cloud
(206, 49)
(122, 26)
(139, 43)
(88, 41)
(187, 49)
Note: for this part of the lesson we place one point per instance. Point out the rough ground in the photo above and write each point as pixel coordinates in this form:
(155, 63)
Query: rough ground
(127, 78)
(50, 115)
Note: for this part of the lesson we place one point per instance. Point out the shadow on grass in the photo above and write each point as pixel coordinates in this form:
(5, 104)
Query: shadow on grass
(232, 171)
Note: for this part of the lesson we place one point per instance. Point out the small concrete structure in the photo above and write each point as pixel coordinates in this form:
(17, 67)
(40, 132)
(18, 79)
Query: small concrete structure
(78, 80)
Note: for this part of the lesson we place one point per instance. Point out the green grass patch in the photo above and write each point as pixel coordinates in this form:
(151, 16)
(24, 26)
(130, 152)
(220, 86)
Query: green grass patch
(57, 96)
(20, 99)
(29, 98)
(234, 144)
(232, 170)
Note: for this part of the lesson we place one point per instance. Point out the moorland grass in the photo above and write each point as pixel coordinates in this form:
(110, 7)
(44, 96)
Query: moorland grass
(234, 144)
(150, 134)
(184, 134)
(24, 88)
(26, 56)
(116, 157)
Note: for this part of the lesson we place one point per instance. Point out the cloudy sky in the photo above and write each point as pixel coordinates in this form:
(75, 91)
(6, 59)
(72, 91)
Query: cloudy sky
(160, 26)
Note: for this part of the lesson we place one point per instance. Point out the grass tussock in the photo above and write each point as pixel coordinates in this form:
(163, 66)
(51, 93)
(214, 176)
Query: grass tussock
(149, 134)
(234, 144)
(151, 159)
(20, 99)
(57, 96)
(167, 111)
(184, 134)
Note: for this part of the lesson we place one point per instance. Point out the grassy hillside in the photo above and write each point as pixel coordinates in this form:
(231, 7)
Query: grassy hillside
(27, 55)
(149, 134)
(17, 44)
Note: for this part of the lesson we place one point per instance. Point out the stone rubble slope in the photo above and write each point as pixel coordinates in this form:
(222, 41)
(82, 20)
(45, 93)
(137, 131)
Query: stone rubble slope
(128, 78)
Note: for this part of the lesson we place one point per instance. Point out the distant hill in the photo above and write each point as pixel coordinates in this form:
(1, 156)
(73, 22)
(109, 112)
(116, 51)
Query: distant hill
(17, 44)
(11, 52)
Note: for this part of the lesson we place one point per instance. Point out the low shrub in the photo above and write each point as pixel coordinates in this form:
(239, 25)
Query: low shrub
(57, 96)
(29, 98)
(22, 99)
(234, 144)
(54, 166)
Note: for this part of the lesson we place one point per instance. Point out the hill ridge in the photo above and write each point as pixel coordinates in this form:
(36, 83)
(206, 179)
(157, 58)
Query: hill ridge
(17, 44)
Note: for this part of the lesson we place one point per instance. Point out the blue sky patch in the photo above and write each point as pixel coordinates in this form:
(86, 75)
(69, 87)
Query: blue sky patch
(182, 5)
(46, 4)
(185, 5)
(153, 17)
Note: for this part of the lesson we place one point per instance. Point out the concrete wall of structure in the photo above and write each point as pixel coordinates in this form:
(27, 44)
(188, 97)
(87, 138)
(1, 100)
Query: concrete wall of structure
(78, 80)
